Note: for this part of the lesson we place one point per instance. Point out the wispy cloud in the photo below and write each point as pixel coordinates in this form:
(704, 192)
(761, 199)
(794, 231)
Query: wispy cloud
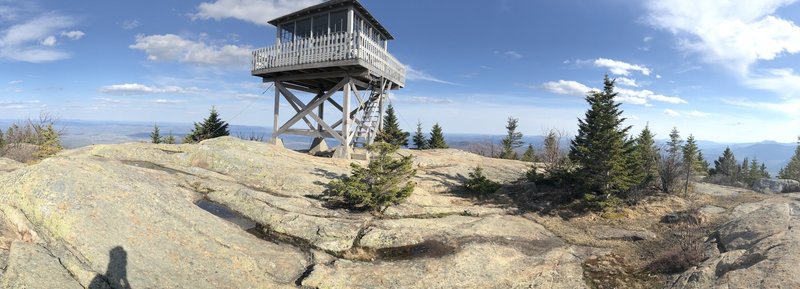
(32, 40)
(171, 47)
(413, 74)
(74, 34)
(566, 87)
(619, 67)
(509, 53)
(253, 11)
(689, 114)
(168, 101)
(139, 89)
(626, 82)
(670, 112)
(631, 96)
(130, 24)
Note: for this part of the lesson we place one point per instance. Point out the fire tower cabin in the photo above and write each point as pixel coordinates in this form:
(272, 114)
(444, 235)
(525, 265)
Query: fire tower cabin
(334, 54)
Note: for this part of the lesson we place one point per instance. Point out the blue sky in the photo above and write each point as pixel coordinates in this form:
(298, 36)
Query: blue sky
(721, 70)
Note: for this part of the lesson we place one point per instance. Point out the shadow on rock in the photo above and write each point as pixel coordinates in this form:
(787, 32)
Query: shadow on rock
(116, 275)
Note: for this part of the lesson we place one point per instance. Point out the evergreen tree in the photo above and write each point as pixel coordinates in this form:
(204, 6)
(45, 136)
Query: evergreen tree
(792, 169)
(599, 148)
(552, 156)
(763, 171)
(2, 139)
(670, 165)
(743, 171)
(50, 142)
(437, 138)
(754, 174)
(702, 164)
(419, 138)
(211, 127)
(155, 136)
(512, 140)
(391, 132)
(689, 160)
(170, 139)
(385, 181)
(726, 164)
(648, 153)
(529, 155)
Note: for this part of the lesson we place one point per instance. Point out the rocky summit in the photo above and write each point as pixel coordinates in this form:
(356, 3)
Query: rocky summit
(228, 213)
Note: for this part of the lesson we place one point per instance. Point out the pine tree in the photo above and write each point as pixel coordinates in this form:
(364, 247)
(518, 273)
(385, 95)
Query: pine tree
(419, 138)
(211, 127)
(600, 146)
(552, 156)
(385, 181)
(529, 155)
(689, 160)
(170, 139)
(50, 142)
(512, 140)
(648, 152)
(391, 132)
(702, 164)
(792, 169)
(754, 174)
(743, 170)
(763, 171)
(2, 139)
(726, 164)
(155, 136)
(437, 138)
(670, 165)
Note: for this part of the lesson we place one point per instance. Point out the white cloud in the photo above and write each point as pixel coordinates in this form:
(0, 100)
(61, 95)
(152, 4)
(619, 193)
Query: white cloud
(74, 34)
(138, 89)
(171, 47)
(426, 100)
(790, 107)
(619, 67)
(626, 81)
(413, 74)
(21, 41)
(130, 24)
(648, 95)
(566, 87)
(49, 41)
(509, 53)
(658, 76)
(168, 101)
(696, 113)
(15, 82)
(670, 112)
(20, 104)
(253, 11)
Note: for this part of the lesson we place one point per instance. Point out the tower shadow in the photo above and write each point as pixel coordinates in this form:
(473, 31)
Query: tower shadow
(116, 275)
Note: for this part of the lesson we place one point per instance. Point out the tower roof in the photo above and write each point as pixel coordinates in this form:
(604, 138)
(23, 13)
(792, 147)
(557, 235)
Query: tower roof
(333, 4)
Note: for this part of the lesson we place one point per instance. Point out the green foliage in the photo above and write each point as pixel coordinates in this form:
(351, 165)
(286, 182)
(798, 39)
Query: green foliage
(170, 139)
(703, 166)
(648, 154)
(437, 138)
(384, 182)
(792, 169)
(2, 140)
(211, 127)
(155, 135)
(391, 132)
(669, 165)
(529, 155)
(726, 164)
(511, 141)
(689, 160)
(478, 183)
(50, 142)
(600, 147)
(420, 142)
(606, 203)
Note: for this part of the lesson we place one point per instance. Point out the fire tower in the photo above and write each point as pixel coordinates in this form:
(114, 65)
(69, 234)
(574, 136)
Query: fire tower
(336, 54)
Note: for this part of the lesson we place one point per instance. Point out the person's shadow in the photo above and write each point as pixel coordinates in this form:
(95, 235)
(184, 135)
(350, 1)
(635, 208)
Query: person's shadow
(116, 275)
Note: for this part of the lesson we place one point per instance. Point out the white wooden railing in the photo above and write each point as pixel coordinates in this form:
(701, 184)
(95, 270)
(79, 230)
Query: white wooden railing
(332, 47)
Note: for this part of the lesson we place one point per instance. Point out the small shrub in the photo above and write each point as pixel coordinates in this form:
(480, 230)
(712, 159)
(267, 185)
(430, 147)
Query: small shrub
(32, 139)
(686, 253)
(609, 204)
(384, 182)
(478, 183)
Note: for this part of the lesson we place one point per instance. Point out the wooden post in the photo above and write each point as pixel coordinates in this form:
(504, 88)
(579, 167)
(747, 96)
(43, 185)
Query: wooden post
(346, 120)
(276, 86)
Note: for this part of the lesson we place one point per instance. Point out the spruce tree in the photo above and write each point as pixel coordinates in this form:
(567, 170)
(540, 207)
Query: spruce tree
(792, 169)
(754, 173)
(391, 132)
(726, 164)
(529, 155)
(437, 138)
(211, 127)
(170, 139)
(689, 160)
(512, 140)
(670, 165)
(600, 146)
(764, 172)
(2, 139)
(155, 136)
(50, 142)
(419, 138)
(649, 154)
(702, 164)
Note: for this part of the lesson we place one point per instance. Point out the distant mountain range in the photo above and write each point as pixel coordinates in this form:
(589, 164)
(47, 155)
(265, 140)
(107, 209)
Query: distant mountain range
(78, 133)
